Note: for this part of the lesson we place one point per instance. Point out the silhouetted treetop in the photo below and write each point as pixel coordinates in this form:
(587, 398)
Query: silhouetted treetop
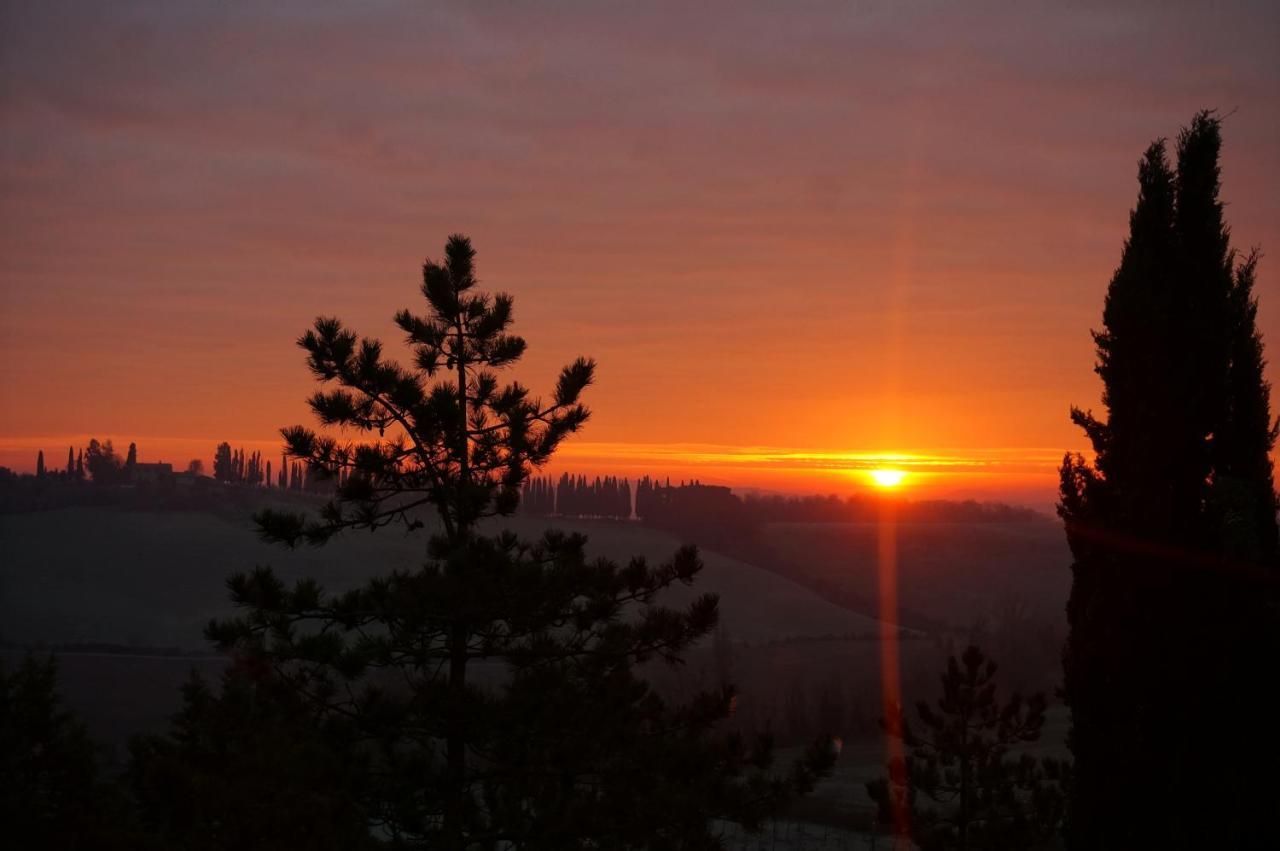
(461, 441)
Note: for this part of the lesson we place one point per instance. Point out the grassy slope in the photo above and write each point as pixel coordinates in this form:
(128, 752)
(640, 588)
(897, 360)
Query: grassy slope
(947, 573)
(105, 575)
(153, 579)
(130, 577)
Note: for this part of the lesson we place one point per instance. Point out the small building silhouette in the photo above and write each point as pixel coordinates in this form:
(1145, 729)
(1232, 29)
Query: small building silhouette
(158, 473)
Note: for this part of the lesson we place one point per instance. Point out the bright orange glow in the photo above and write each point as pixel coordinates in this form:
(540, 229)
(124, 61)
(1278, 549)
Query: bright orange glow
(887, 478)
(786, 283)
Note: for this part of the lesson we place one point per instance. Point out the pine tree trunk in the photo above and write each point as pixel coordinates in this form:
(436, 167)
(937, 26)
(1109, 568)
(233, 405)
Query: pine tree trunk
(456, 755)
(456, 745)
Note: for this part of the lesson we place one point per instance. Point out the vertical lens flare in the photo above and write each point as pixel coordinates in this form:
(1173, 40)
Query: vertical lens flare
(890, 666)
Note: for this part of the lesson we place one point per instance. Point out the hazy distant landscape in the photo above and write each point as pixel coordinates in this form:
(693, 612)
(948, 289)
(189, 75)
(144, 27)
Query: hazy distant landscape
(155, 579)
(126, 597)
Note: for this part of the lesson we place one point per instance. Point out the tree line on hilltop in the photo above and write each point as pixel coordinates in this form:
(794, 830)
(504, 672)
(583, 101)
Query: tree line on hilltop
(658, 501)
(574, 496)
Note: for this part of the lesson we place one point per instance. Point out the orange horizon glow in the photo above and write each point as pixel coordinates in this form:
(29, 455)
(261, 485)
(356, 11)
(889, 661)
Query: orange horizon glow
(1020, 476)
(883, 252)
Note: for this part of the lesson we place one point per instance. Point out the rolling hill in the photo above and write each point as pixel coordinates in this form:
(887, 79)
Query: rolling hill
(147, 578)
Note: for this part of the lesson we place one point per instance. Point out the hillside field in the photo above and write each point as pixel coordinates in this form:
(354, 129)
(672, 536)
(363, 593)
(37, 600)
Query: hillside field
(950, 575)
(154, 579)
(151, 580)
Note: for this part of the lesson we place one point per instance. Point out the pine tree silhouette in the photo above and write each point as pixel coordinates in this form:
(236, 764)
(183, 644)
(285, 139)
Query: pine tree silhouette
(960, 760)
(1173, 532)
(573, 751)
(249, 766)
(52, 792)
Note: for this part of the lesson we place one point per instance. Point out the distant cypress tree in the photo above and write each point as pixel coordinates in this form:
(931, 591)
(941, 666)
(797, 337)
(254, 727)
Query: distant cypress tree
(538, 499)
(223, 463)
(1173, 533)
(40, 464)
(71, 462)
(563, 499)
(131, 459)
(644, 497)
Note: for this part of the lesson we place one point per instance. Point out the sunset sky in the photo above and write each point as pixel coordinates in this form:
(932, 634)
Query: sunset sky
(796, 237)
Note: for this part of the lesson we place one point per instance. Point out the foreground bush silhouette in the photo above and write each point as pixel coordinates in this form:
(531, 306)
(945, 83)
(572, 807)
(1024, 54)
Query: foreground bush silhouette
(250, 766)
(963, 789)
(493, 691)
(52, 794)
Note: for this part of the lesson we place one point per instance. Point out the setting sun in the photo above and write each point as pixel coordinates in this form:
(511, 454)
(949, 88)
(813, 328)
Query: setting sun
(887, 478)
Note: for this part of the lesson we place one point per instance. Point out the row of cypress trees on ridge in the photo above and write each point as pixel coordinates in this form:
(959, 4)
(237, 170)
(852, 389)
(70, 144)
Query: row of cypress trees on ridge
(611, 497)
(98, 462)
(235, 467)
(575, 496)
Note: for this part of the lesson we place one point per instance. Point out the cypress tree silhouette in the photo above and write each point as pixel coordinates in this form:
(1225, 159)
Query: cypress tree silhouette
(131, 460)
(1173, 532)
(223, 463)
(71, 462)
(40, 464)
(569, 748)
